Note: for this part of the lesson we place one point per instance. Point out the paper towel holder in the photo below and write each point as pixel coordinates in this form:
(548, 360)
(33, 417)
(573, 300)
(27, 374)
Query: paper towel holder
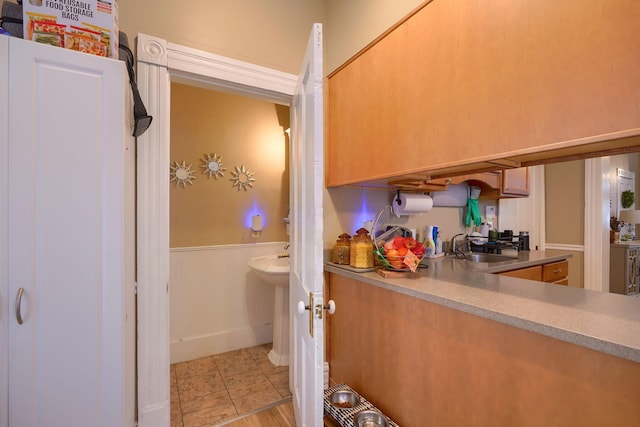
(398, 200)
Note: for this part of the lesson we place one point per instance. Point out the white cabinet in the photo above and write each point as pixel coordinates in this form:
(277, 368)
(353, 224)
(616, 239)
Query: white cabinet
(66, 239)
(624, 268)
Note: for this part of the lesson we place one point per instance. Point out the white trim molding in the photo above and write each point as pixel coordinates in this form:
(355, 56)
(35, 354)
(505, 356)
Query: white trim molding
(153, 250)
(159, 63)
(596, 224)
(563, 247)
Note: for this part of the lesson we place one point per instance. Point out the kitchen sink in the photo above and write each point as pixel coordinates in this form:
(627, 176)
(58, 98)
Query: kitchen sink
(489, 258)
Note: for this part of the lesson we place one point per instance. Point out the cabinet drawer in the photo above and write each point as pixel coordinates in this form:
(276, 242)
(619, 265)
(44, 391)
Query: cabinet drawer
(531, 273)
(555, 271)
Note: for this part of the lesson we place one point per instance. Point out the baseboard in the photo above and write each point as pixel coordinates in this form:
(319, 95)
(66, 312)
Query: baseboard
(154, 415)
(196, 347)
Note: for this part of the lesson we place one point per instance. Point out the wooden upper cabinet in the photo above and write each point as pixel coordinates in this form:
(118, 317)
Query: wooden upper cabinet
(494, 185)
(460, 87)
(515, 182)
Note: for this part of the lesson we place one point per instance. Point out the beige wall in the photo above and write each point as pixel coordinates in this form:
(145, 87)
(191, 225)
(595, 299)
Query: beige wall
(564, 201)
(564, 213)
(352, 25)
(270, 33)
(629, 163)
(245, 132)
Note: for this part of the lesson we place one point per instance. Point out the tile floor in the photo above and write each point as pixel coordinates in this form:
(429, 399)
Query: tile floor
(205, 392)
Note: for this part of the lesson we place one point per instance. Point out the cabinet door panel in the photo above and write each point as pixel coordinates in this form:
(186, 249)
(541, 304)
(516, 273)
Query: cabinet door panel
(66, 232)
(515, 181)
(531, 273)
(555, 271)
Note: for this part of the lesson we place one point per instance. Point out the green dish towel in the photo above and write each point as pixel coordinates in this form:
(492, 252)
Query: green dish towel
(473, 210)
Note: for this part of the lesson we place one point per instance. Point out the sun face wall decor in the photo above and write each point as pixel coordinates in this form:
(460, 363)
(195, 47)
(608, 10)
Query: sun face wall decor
(212, 165)
(242, 178)
(182, 174)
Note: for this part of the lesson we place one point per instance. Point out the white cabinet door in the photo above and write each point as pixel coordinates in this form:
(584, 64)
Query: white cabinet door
(66, 231)
(4, 229)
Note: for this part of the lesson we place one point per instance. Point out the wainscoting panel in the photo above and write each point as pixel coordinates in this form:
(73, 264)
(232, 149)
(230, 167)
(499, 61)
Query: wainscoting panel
(217, 303)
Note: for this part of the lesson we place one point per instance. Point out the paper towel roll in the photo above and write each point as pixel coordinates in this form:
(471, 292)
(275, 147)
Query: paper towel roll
(411, 204)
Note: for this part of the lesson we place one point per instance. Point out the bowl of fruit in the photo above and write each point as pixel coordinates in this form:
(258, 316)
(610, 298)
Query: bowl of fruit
(399, 253)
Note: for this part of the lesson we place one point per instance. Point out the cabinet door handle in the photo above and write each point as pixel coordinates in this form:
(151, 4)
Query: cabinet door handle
(18, 303)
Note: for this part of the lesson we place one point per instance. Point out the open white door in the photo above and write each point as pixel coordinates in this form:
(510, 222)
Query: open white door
(307, 175)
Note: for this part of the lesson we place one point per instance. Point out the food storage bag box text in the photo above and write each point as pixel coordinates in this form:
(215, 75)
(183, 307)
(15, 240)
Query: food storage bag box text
(85, 25)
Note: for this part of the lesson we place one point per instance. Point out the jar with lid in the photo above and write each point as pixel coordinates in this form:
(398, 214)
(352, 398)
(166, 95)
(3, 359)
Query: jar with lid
(361, 253)
(341, 250)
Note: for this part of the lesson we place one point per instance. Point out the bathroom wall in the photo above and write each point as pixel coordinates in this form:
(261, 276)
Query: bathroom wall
(216, 303)
(244, 132)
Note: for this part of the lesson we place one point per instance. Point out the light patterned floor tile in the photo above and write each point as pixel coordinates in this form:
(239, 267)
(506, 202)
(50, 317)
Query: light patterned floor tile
(260, 351)
(249, 382)
(280, 382)
(269, 368)
(251, 402)
(230, 367)
(243, 353)
(173, 382)
(194, 367)
(195, 387)
(219, 399)
(176, 412)
(210, 390)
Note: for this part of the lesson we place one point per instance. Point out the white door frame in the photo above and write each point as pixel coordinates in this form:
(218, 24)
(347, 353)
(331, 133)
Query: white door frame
(597, 193)
(159, 63)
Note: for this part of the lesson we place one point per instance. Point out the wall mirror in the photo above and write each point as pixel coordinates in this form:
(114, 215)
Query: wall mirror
(212, 165)
(182, 174)
(242, 178)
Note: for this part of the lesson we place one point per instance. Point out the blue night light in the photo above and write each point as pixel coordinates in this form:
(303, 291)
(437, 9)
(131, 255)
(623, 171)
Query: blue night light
(363, 215)
(255, 210)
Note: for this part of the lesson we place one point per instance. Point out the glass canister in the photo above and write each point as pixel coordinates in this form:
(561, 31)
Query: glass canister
(361, 253)
(341, 250)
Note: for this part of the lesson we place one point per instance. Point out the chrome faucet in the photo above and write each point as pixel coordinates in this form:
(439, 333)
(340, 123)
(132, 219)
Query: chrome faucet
(455, 247)
(286, 254)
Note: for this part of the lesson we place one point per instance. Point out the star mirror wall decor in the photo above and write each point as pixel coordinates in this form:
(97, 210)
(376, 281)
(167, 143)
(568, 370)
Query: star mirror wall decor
(182, 174)
(242, 178)
(212, 165)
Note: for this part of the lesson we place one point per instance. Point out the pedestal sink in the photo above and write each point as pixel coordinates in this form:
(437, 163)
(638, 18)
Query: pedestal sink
(274, 269)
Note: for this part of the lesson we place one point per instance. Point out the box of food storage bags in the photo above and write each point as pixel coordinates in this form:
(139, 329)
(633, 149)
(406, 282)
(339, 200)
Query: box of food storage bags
(89, 26)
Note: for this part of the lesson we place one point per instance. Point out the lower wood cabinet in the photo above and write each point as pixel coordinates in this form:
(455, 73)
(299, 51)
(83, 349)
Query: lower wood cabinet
(530, 273)
(425, 364)
(555, 272)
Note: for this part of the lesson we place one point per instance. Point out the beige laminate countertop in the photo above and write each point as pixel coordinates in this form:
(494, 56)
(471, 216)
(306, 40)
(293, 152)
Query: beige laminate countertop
(602, 321)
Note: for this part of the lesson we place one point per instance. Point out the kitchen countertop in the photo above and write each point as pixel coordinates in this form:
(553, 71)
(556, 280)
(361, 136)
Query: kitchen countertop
(602, 321)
